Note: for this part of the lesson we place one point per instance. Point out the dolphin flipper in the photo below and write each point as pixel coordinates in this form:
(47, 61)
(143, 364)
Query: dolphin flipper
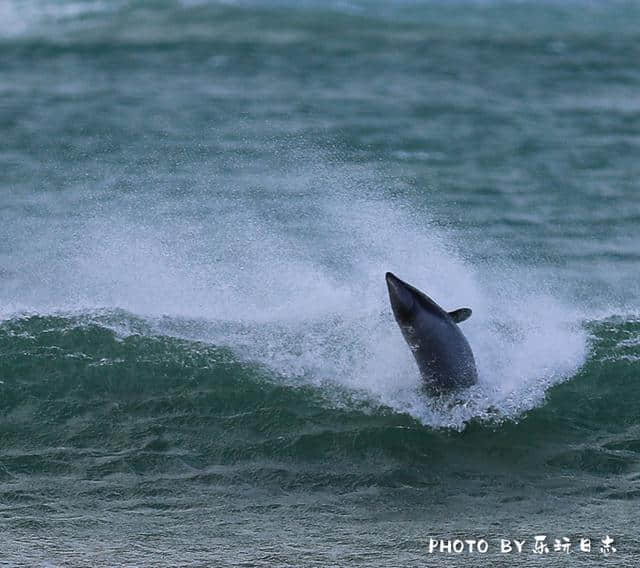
(460, 315)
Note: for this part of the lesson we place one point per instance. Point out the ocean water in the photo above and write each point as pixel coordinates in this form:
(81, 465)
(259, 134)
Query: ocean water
(198, 203)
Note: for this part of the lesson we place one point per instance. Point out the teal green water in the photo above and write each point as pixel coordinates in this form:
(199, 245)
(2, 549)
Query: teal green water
(198, 203)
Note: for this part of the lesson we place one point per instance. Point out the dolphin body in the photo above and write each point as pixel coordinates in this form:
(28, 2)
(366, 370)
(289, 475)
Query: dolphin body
(442, 352)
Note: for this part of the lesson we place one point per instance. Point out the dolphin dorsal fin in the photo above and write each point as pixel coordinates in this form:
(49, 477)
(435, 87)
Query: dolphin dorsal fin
(460, 315)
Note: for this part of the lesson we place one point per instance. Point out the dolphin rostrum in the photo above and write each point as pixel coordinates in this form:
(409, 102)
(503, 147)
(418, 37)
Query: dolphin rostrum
(443, 354)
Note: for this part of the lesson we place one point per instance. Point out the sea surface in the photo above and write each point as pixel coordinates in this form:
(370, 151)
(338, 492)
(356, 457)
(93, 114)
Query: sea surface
(198, 203)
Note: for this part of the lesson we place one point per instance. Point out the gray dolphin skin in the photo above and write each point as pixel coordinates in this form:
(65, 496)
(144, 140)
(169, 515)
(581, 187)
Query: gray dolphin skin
(442, 352)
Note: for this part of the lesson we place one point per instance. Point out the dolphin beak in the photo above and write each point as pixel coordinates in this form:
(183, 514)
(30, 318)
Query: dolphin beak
(400, 296)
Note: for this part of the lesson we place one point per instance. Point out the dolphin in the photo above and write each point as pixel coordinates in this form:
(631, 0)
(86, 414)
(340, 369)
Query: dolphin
(442, 352)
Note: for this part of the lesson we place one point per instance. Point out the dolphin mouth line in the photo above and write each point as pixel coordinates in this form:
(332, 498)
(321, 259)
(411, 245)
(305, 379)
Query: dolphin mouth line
(391, 277)
(394, 283)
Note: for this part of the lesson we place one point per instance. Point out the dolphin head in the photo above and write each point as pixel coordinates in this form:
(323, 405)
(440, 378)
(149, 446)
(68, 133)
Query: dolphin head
(406, 301)
(401, 297)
